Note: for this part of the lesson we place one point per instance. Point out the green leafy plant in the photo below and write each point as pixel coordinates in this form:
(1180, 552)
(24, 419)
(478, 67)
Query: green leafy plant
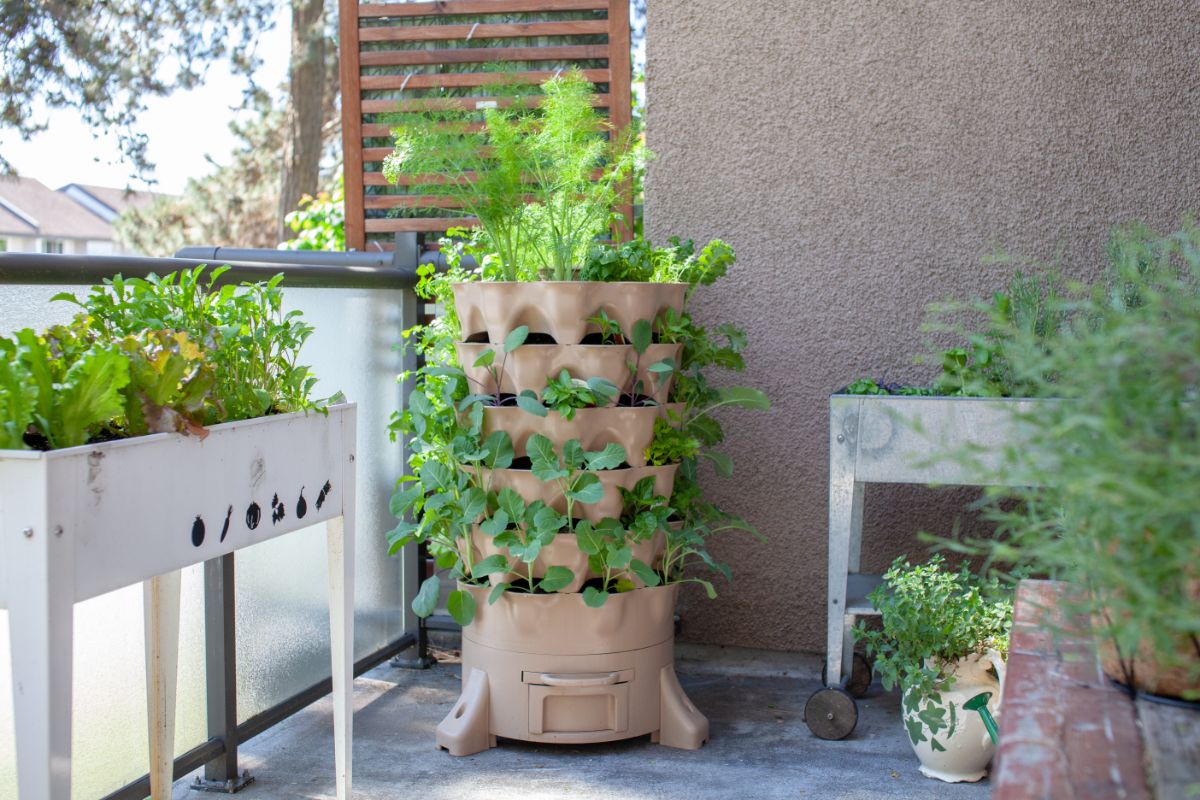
(671, 444)
(1110, 469)
(610, 331)
(541, 178)
(640, 261)
(319, 222)
(154, 355)
(931, 617)
(566, 395)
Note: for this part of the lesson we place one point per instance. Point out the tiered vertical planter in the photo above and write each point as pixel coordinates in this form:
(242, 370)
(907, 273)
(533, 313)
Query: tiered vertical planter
(546, 667)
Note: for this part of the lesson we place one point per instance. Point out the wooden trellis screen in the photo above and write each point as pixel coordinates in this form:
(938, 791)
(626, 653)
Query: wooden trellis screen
(396, 56)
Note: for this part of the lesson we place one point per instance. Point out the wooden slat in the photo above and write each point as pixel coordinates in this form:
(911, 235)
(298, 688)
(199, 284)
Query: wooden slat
(450, 7)
(374, 130)
(458, 80)
(419, 225)
(378, 179)
(503, 30)
(620, 111)
(352, 165)
(481, 55)
(469, 103)
(378, 201)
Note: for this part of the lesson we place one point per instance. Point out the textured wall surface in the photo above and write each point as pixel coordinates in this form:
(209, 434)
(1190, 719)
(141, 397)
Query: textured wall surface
(862, 157)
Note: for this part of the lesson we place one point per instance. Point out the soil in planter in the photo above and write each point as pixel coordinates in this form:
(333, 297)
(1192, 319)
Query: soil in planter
(531, 339)
(36, 441)
(524, 463)
(637, 401)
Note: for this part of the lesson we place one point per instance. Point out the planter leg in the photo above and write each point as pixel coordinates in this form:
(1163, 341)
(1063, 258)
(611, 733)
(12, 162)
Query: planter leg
(845, 540)
(41, 626)
(464, 731)
(681, 724)
(160, 599)
(339, 534)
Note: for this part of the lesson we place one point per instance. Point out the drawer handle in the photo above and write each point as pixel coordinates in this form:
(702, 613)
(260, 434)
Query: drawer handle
(594, 679)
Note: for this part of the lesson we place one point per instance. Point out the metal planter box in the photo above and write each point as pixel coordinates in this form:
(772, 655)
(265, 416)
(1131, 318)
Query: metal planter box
(894, 439)
(79, 522)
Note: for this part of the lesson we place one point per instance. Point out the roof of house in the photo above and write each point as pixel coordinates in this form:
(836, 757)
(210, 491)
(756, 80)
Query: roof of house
(32, 208)
(118, 200)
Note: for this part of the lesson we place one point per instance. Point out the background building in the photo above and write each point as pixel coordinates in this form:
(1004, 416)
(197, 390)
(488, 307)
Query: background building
(76, 219)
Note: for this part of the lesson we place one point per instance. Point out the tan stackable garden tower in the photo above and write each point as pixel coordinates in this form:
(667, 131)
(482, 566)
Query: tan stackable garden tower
(547, 667)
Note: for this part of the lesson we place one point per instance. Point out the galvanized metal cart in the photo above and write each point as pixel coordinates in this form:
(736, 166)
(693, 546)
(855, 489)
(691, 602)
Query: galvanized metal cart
(891, 439)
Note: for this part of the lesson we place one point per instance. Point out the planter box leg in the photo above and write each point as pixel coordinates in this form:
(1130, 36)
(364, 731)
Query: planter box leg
(464, 731)
(682, 725)
(41, 629)
(160, 598)
(339, 534)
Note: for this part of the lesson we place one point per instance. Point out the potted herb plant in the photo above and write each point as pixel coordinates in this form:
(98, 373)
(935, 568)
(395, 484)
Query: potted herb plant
(168, 424)
(943, 641)
(546, 466)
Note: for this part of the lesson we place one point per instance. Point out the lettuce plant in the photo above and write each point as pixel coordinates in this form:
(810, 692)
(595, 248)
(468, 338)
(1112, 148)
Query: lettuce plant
(167, 354)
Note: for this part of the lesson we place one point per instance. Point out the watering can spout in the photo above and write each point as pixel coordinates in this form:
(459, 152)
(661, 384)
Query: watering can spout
(979, 703)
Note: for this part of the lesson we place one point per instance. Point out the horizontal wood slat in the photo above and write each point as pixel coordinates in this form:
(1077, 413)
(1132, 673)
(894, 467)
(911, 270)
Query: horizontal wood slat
(501, 30)
(378, 201)
(435, 103)
(458, 80)
(378, 178)
(451, 7)
(374, 130)
(419, 225)
(481, 55)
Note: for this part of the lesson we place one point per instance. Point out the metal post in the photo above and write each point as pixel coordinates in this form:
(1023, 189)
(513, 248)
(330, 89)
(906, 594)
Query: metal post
(221, 774)
(405, 257)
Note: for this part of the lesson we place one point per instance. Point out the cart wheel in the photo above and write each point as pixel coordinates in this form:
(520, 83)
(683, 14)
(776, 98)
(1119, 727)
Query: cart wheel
(831, 713)
(860, 675)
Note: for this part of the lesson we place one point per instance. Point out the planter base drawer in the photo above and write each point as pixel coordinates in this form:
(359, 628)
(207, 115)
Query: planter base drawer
(569, 699)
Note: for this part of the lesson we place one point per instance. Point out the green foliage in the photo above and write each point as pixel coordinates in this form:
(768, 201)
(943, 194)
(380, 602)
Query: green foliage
(319, 222)
(671, 445)
(1118, 458)
(565, 394)
(640, 261)
(156, 355)
(541, 178)
(106, 60)
(932, 616)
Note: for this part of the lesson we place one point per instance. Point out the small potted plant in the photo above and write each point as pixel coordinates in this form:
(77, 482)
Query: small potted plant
(943, 641)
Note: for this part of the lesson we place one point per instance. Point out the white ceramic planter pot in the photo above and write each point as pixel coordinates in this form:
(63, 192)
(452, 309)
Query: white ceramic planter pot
(960, 751)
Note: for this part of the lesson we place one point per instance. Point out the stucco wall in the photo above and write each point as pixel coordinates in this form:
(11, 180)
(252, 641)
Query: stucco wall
(862, 157)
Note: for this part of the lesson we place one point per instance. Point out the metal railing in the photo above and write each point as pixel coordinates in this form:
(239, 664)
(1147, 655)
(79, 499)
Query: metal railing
(395, 270)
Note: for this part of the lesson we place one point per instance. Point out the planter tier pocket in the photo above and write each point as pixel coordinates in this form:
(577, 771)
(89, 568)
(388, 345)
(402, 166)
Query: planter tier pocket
(564, 552)
(632, 428)
(528, 367)
(547, 668)
(526, 484)
(561, 310)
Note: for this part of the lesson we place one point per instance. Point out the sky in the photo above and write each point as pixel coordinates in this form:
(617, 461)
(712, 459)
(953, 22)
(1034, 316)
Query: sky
(182, 129)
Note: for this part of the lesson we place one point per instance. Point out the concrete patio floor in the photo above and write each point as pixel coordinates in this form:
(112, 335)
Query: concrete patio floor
(760, 746)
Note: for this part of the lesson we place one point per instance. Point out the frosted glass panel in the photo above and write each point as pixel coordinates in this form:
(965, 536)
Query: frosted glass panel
(109, 737)
(282, 612)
